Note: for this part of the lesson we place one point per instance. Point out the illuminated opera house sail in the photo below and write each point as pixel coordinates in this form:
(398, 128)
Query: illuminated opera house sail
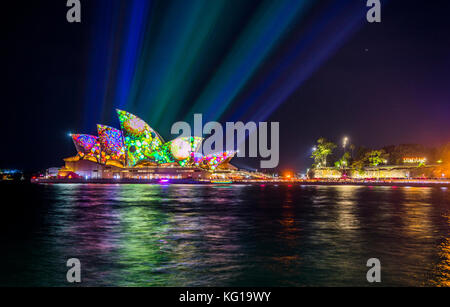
(136, 150)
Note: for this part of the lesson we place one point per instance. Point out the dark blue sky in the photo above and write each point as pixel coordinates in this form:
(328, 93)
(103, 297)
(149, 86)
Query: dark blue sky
(387, 83)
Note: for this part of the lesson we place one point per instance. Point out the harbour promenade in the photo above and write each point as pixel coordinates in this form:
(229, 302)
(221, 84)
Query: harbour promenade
(305, 182)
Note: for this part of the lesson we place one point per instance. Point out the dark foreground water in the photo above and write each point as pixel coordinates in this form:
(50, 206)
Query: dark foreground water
(192, 235)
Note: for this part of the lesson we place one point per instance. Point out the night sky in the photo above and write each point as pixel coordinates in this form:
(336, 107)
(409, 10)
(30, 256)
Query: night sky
(320, 69)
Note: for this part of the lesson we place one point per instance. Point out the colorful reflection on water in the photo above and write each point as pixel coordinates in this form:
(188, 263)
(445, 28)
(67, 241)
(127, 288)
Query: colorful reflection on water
(232, 235)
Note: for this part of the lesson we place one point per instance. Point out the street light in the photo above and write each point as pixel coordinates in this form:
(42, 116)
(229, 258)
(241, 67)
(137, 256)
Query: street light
(345, 142)
(314, 148)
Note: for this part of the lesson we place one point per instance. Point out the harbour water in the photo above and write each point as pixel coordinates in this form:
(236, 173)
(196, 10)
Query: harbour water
(224, 235)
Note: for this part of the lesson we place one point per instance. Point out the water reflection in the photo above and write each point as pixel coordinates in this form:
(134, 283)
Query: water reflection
(191, 235)
(168, 239)
(441, 272)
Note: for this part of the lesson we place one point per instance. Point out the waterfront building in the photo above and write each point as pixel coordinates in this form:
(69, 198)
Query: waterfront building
(10, 174)
(137, 151)
(379, 172)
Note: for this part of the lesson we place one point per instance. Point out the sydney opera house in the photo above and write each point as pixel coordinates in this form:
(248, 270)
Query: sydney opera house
(136, 151)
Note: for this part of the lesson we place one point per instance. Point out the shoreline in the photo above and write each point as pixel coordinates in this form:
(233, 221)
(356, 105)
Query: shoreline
(265, 183)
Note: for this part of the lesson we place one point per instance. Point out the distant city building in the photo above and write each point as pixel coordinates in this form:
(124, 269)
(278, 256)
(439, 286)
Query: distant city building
(52, 172)
(10, 174)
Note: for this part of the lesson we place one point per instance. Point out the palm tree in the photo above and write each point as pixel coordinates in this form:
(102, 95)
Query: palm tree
(352, 148)
(323, 149)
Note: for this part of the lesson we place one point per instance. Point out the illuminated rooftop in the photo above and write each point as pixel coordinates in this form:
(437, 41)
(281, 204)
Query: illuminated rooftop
(136, 143)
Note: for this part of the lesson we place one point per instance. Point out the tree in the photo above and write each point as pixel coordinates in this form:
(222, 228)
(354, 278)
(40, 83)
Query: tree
(398, 152)
(376, 157)
(443, 157)
(323, 149)
(358, 165)
(352, 149)
(343, 162)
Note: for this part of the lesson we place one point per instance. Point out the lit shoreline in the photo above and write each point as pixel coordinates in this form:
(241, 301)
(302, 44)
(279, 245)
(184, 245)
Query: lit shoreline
(402, 183)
